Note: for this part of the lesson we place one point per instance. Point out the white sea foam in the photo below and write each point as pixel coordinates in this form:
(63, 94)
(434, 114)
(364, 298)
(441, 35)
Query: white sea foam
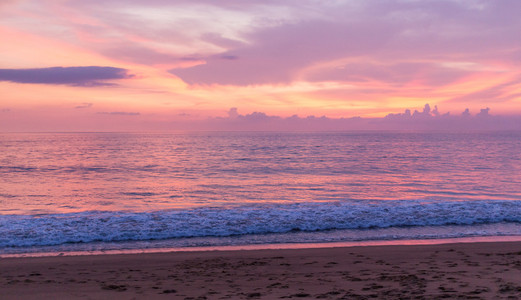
(98, 226)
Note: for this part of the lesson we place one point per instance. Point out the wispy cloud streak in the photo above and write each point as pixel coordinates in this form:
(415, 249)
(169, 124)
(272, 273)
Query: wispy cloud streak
(75, 76)
(119, 113)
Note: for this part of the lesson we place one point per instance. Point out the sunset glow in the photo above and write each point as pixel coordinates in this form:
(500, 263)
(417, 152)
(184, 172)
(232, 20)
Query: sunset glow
(359, 148)
(155, 63)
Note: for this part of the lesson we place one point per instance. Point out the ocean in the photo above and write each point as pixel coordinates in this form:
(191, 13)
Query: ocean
(95, 192)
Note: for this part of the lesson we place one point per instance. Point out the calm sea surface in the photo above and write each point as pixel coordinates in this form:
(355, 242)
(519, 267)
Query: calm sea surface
(101, 191)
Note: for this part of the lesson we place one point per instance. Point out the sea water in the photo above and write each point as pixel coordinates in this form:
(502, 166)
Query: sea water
(120, 191)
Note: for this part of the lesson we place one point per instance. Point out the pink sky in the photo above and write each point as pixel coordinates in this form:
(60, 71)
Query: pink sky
(140, 65)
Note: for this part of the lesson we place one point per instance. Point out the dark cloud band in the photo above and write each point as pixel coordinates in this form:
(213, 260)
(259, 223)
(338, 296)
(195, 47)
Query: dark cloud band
(121, 113)
(76, 76)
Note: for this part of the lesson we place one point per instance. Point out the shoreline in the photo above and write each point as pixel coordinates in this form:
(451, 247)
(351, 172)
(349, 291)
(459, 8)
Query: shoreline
(481, 270)
(280, 246)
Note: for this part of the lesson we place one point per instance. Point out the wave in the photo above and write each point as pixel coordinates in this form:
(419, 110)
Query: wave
(105, 226)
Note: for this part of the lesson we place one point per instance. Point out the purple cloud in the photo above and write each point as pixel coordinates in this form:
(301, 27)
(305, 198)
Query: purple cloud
(75, 76)
(427, 119)
(391, 41)
(84, 105)
(120, 113)
(277, 54)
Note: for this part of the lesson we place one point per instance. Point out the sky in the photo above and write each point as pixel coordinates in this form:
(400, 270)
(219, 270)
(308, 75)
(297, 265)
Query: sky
(111, 65)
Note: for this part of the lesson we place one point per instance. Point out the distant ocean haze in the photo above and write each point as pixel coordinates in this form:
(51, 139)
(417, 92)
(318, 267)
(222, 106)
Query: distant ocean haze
(133, 190)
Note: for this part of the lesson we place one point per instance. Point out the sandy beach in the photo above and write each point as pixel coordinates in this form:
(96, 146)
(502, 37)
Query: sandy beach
(465, 270)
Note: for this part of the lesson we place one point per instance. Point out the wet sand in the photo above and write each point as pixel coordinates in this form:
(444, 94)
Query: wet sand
(464, 270)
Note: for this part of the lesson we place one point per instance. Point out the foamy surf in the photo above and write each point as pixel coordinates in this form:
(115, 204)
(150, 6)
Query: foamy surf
(268, 223)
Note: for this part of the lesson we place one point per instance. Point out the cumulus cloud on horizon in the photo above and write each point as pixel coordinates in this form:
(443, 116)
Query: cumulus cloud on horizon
(427, 119)
(74, 76)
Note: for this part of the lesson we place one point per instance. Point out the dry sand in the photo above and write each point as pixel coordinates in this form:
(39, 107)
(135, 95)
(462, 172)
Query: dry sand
(464, 270)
